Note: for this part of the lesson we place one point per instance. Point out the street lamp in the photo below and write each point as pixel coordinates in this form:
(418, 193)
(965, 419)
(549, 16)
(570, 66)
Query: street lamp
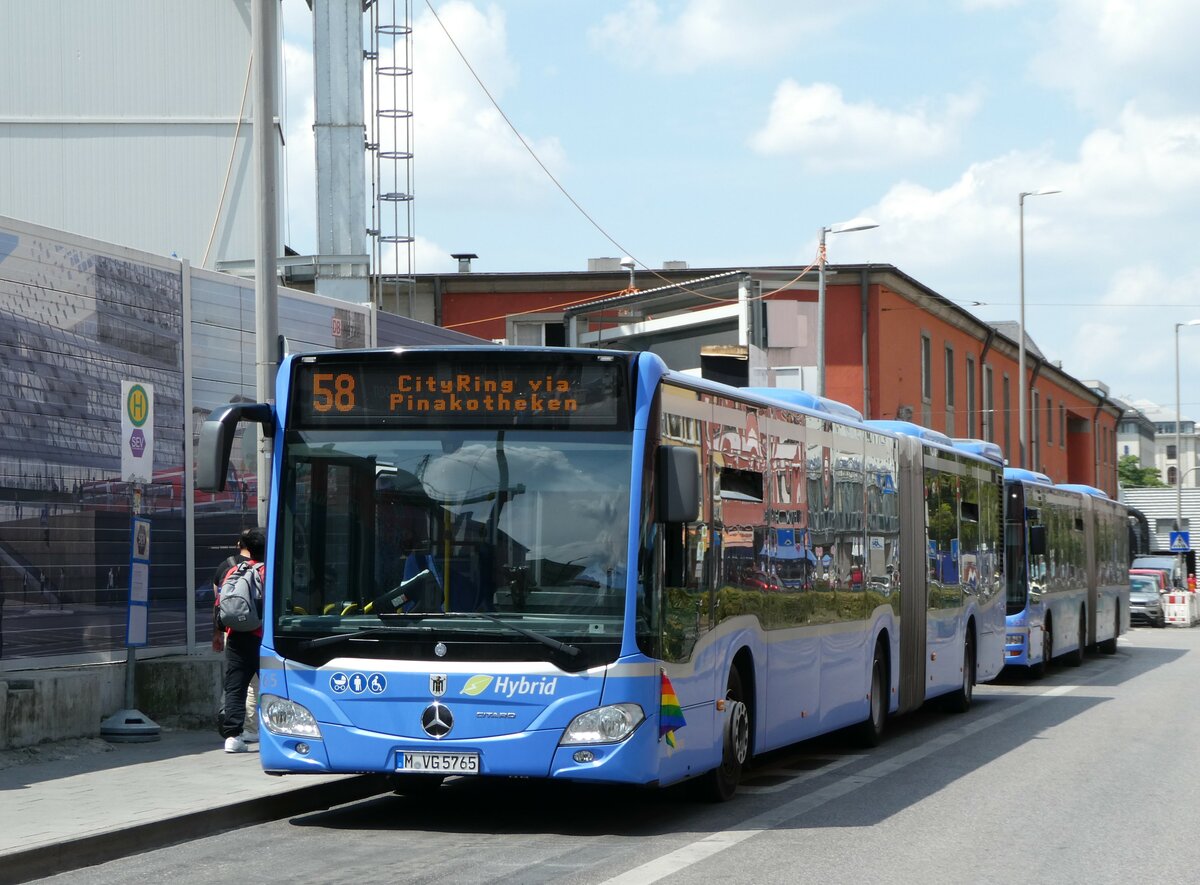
(844, 227)
(1178, 436)
(1022, 421)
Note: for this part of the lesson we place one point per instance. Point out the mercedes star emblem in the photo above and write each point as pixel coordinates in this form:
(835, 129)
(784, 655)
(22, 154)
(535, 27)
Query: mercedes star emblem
(437, 720)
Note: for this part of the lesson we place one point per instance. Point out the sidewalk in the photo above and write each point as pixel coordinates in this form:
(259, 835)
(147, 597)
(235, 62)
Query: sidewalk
(83, 802)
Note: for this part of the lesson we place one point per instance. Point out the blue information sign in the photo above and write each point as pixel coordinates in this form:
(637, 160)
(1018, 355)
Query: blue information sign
(1181, 542)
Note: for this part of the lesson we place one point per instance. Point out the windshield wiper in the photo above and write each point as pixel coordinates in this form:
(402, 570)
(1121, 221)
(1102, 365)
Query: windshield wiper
(547, 641)
(342, 637)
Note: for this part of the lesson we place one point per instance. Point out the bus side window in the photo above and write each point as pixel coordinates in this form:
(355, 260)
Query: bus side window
(674, 556)
(1037, 540)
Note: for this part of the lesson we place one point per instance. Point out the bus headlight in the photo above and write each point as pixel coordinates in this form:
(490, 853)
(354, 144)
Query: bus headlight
(282, 716)
(604, 725)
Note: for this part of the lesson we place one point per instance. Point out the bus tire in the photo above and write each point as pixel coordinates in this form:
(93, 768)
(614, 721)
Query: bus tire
(1109, 646)
(721, 783)
(869, 732)
(1038, 670)
(1075, 658)
(960, 700)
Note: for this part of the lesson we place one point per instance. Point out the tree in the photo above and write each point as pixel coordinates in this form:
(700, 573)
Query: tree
(1132, 475)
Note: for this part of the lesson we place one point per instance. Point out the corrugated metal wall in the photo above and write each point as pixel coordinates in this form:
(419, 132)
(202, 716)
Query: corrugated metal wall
(117, 121)
(1159, 506)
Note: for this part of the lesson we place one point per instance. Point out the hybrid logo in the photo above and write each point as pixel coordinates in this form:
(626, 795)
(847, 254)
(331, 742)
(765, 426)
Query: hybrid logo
(510, 687)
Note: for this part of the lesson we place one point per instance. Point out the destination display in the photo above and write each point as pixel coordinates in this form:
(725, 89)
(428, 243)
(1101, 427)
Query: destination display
(388, 388)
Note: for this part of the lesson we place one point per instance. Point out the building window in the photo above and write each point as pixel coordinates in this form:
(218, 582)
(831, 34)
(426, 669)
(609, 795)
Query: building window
(949, 391)
(1049, 421)
(1171, 472)
(1035, 458)
(1171, 452)
(537, 330)
(1006, 405)
(970, 379)
(988, 418)
(926, 369)
(1062, 426)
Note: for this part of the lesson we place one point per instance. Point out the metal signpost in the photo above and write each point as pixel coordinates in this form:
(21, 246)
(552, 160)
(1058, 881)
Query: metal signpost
(137, 467)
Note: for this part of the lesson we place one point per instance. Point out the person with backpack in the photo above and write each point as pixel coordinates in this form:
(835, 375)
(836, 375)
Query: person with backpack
(241, 578)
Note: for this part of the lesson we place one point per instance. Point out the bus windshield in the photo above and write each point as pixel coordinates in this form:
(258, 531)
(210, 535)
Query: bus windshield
(395, 531)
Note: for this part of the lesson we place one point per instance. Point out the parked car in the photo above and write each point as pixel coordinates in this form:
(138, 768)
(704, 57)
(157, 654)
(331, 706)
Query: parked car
(1145, 601)
(1173, 565)
(1160, 576)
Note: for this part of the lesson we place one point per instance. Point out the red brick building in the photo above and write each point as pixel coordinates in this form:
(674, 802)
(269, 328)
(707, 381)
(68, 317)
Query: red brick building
(894, 347)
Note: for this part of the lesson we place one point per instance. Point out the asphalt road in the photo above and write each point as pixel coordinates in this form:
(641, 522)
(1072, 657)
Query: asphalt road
(1085, 776)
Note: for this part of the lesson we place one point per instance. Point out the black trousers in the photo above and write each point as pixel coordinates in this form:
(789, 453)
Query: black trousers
(241, 665)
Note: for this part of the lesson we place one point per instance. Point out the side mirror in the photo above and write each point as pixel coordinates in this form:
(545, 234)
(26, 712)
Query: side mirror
(216, 440)
(678, 484)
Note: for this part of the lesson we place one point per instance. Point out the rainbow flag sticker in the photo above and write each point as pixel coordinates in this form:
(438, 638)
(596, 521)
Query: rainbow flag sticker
(670, 715)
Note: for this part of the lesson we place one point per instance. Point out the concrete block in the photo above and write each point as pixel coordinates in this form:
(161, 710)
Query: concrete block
(38, 706)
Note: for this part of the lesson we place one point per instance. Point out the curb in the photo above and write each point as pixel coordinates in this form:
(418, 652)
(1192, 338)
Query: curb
(86, 851)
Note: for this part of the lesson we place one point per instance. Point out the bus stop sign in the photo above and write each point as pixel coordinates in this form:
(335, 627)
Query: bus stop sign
(1181, 542)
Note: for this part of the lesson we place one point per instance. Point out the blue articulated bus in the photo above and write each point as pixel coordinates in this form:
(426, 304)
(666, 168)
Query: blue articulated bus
(1067, 561)
(580, 565)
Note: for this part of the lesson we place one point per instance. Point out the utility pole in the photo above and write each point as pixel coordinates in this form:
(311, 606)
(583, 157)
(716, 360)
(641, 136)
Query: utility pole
(265, 35)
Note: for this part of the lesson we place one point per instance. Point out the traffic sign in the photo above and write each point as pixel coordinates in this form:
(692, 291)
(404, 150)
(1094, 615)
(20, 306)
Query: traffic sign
(137, 431)
(1181, 542)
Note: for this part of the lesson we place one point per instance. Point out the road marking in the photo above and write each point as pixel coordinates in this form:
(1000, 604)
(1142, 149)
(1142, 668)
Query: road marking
(702, 849)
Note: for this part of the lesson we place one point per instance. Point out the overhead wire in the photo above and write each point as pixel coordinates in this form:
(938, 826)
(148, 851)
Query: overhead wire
(232, 153)
(563, 190)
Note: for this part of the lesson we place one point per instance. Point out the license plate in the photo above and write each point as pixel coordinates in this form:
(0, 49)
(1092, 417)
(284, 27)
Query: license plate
(442, 763)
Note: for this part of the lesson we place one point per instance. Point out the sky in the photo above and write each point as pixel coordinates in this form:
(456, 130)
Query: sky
(727, 133)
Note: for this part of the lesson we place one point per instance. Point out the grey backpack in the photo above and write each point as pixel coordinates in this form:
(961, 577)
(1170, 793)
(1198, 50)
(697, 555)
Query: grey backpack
(239, 606)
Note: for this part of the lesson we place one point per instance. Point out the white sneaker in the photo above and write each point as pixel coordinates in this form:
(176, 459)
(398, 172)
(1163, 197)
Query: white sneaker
(235, 745)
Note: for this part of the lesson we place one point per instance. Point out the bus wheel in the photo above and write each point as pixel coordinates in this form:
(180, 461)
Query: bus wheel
(721, 783)
(1109, 646)
(1038, 670)
(960, 701)
(1075, 658)
(869, 732)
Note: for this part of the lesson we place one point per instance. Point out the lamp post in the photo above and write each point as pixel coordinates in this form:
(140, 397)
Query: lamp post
(844, 227)
(1022, 421)
(1179, 474)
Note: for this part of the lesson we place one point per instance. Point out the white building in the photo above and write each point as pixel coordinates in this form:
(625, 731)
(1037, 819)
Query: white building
(1172, 455)
(129, 121)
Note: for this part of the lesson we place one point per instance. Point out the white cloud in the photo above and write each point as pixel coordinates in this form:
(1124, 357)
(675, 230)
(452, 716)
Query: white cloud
(826, 131)
(428, 257)
(1107, 255)
(706, 33)
(1141, 164)
(1138, 290)
(1143, 169)
(463, 146)
(1104, 52)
